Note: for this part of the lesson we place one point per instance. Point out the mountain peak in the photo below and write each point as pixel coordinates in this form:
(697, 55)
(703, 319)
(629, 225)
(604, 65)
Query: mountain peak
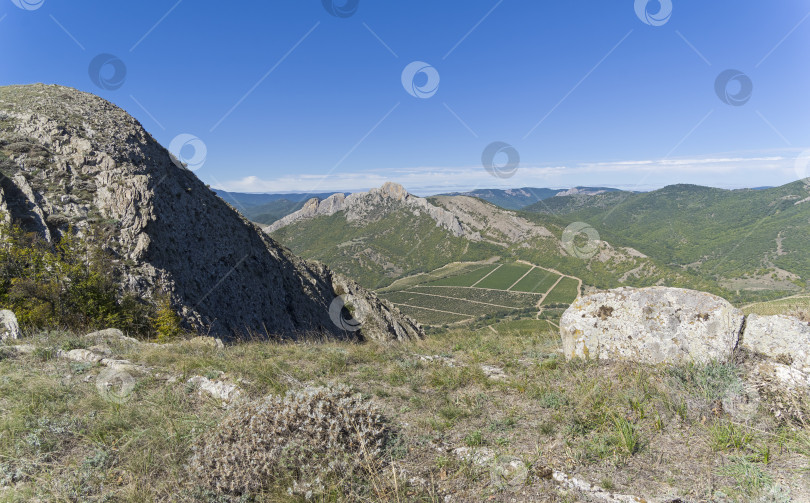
(392, 190)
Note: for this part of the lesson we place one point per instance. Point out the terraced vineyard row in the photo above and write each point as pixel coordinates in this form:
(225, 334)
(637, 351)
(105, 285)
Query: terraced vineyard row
(482, 290)
(502, 298)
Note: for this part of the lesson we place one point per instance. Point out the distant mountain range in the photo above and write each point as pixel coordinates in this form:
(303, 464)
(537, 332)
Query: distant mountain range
(267, 208)
(515, 199)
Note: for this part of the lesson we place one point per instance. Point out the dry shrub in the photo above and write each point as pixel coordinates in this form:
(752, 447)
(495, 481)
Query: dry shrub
(303, 440)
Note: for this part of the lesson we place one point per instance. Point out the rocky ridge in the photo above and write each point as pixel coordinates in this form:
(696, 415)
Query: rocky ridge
(364, 206)
(72, 160)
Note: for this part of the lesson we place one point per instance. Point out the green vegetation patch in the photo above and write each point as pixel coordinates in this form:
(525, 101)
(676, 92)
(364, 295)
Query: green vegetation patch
(537, 281)
(458, 306)
(466, 279)
(432, 318)
(565, 292)
(506, 299)
(504, 277)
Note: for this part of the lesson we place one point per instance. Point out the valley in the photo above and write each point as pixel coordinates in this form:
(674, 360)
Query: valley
(480, 291)
(455, 259)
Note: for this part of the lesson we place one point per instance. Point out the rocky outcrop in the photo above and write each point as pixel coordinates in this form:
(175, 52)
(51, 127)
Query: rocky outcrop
(371, 205)
(651, 325)
(785, 373)
(9, 328)
(783, 338)
(74, 160)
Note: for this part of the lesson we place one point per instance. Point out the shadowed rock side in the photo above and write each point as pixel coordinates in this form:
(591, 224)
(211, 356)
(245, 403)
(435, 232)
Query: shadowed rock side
(72, 158)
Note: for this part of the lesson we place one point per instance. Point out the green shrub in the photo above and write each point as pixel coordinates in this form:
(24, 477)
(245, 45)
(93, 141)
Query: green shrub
(70, 284)
(166, 323)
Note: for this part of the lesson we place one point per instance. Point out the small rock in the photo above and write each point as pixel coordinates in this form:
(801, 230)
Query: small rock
(494, 373)
(111, 334)
(450, 362)
(122, 365)
(80, 355)
(9, 328)
(217, 389)
(480, 456)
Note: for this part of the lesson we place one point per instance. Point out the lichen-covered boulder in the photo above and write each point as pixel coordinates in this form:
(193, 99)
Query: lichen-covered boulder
(9, 328)
(651, 325)
(782, 338)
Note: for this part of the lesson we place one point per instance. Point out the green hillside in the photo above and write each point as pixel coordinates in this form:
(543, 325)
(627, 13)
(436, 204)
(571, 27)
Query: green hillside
(396, 243)
(375, 253)
(741, 239)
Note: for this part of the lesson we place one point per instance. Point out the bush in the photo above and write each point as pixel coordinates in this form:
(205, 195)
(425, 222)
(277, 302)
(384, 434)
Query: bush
(70, 284)
(166, 323)
(302, 439)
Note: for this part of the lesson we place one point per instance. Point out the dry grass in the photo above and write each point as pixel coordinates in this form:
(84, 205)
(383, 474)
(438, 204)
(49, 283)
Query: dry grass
(639, 430)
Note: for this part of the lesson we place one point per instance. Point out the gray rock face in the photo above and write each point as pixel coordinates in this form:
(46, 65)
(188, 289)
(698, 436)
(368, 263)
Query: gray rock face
(77, 159)
(782, 338)
(365, 206)
(651, 325)
(9, 329)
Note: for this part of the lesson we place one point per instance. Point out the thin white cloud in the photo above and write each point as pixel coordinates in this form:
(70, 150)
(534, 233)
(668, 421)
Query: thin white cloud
(720, 171)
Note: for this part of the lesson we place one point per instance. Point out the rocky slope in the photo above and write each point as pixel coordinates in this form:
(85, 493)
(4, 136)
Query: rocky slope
(72, 159)
(365, 206)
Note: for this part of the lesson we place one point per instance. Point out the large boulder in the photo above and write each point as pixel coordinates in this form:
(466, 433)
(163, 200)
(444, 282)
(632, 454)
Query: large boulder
(9, 328)
(651, 325)
(782, 338)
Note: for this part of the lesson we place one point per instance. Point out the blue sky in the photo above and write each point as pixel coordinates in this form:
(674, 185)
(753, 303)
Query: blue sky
(286, 96)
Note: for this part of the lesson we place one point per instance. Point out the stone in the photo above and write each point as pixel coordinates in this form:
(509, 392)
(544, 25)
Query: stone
(493, 372)
(220, 390)
(9, 328)
(81, 355)
(651, 325)
(782, 338)
(480, 456)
